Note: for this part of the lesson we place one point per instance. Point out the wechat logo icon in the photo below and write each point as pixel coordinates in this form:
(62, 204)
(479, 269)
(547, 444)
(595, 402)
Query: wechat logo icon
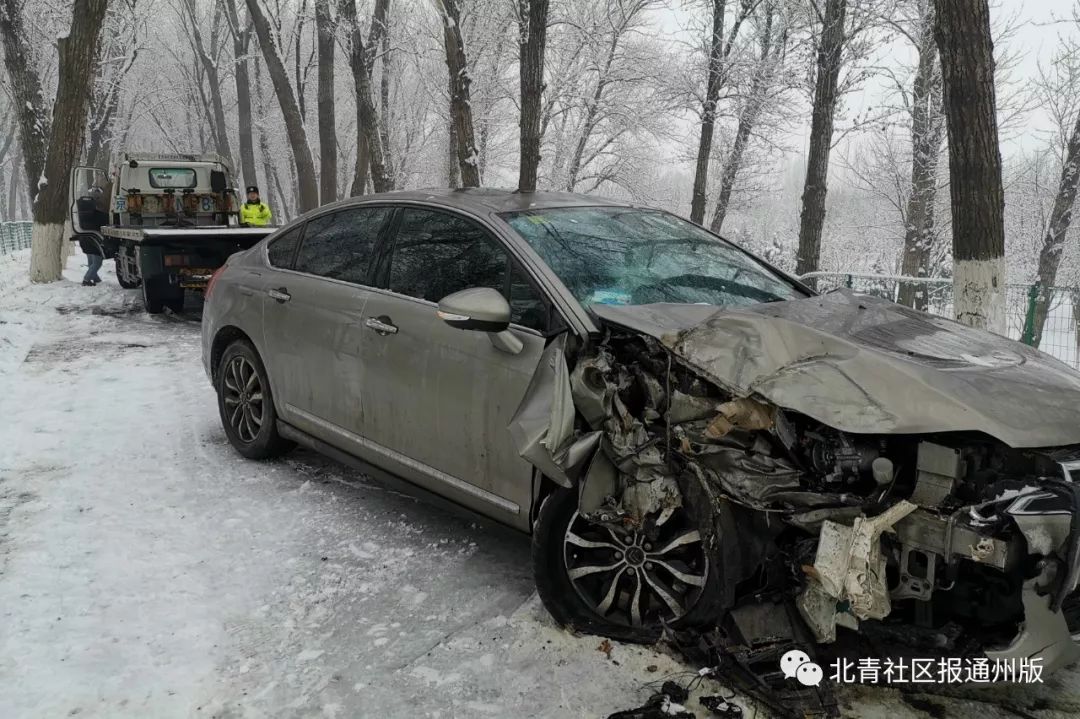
(796, 664)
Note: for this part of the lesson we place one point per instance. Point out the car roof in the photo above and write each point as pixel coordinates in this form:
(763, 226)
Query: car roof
(485, 200)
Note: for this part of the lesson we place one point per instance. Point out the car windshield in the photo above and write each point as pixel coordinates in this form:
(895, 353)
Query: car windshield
(619, 255)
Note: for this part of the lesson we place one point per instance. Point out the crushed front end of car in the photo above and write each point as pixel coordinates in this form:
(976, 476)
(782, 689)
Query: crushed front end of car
(874, 468)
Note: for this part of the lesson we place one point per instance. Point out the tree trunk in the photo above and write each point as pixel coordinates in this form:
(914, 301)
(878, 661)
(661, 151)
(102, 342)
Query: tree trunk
(826, 93)
(26, 93)
(361, 60)
(324, 25)
(460, 101)
(241, 42)
(78, 54)
(978, 200)
(1056, 229)
(708, 112)
(747, 118)
(384, 99)
(294, 123)
(453, 176)
(532, 38)
(926, 136)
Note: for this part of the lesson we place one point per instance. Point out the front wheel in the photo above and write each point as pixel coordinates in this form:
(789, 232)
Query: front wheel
(246, 404)
(623, 583)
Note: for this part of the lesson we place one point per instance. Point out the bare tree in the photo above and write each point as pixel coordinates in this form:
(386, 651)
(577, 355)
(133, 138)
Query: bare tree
(605, 98)
(927, 133)
(241, 41)
(978, 202)
(720, 46)
(830, 52)
(122, 41)
(532, 29)
(208, 54)
(78, 53)
(307, 189)
(370, 152)
(771, 48)
(328, 150)
(460, 102)
(1060, 92)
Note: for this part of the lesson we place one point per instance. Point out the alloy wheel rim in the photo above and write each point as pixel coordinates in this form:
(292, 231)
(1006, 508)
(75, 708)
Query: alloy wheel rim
(632, 580)
(243, 397)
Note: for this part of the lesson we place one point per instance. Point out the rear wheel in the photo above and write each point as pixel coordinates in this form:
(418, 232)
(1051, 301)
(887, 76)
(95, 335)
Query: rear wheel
(175, 302)
(246, 404)
(152, 297)
(623, 583)
(159, 294)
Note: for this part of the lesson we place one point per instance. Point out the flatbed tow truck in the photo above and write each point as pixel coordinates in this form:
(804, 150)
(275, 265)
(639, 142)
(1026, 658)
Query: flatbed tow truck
(168, 221)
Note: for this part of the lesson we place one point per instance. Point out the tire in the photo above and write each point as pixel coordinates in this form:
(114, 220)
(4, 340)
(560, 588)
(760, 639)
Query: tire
(153, 302)
(176, 301)
(159, 294)
(569, 602)
(250, 424)
(127, 284)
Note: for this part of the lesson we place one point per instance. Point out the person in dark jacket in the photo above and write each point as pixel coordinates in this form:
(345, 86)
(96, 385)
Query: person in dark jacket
(94, 257)
(92, 216)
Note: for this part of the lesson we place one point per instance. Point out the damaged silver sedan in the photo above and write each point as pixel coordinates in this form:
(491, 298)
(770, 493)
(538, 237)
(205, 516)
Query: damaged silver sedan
(686, 431)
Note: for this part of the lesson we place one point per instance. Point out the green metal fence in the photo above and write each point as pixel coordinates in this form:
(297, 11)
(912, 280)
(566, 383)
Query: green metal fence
(1043, 317)
(14, 236)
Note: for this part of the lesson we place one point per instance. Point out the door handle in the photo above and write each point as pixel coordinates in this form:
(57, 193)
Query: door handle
(382, 325)
(280, 294)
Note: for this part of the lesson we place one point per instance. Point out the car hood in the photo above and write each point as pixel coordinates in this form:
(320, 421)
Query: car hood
(866, 365)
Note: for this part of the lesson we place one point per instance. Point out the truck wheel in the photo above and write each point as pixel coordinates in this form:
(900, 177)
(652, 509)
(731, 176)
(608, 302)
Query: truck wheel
(246, 404)
(152, 299)
(126, 282)
(176, 301)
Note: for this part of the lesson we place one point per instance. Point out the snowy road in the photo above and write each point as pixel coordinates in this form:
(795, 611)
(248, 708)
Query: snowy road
(146, 570)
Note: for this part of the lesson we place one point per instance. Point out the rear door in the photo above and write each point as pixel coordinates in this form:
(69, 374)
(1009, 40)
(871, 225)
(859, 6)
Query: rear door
(312, 319)
(440, 399)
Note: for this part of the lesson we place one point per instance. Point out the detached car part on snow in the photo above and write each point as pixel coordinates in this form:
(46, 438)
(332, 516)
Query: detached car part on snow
(866, 461)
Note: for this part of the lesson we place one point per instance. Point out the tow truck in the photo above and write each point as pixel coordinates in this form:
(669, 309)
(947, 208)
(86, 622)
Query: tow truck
(168, 220)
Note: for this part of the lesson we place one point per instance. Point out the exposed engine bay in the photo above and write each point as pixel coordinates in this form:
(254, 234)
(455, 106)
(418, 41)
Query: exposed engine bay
(965, 542)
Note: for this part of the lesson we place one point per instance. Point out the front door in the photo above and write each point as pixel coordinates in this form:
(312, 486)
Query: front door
(441, 399)
(88, 200)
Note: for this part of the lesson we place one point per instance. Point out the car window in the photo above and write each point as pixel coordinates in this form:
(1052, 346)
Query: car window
(340, 245)
(172, 177)
(621, 255)
(282, 249)
(436, 254)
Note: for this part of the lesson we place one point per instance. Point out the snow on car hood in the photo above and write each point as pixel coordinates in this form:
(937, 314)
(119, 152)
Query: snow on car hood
(866, 365)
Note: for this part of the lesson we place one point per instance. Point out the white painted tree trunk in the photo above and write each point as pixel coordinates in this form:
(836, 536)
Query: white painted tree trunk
(979, 293)
(46, 252)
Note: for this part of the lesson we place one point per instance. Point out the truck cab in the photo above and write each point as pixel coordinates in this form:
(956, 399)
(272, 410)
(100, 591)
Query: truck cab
(169, 220)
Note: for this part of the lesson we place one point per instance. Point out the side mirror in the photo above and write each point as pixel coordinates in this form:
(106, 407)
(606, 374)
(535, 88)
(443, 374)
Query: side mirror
(477, 308)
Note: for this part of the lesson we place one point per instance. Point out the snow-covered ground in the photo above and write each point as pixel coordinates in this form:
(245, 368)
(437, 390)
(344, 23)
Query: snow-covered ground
(146, 570)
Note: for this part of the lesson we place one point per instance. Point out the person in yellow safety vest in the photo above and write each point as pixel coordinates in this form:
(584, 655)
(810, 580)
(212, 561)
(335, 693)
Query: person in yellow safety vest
(254, 212)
